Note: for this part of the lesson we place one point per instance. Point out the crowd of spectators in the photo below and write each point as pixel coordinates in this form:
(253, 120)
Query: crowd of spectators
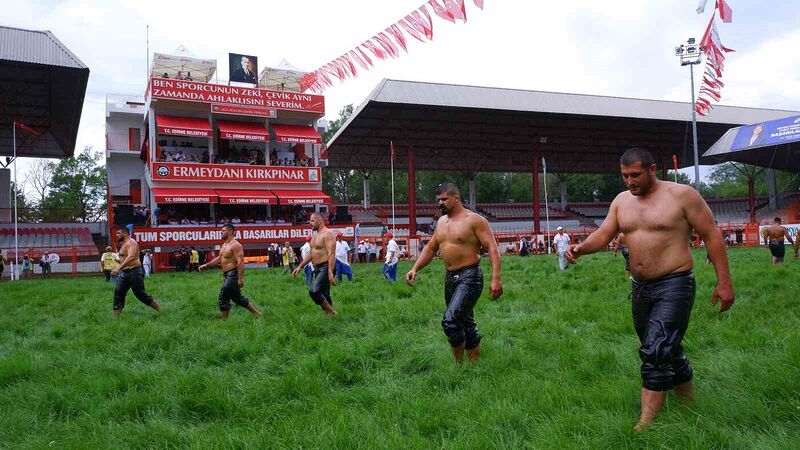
(179, 76)
(199, 216)
(184, 152)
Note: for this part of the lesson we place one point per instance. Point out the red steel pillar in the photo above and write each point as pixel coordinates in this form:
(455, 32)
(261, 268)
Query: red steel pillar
(535, 173)
(412, 194)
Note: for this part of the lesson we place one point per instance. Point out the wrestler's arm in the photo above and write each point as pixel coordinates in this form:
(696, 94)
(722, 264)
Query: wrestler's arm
(425, 257)
(484, 233)
(600, 238)
(133, 251)
(238, 253)
(330, 244)
(213, 263)
(699, 217)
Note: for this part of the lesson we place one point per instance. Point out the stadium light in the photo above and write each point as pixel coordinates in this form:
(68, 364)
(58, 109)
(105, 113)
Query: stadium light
(691, 54)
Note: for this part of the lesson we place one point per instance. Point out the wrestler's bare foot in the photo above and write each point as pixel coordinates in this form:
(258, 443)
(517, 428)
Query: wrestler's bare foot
(253, 310)
(224, 315)
(116, 313)
(328, 309)
(652, 402)
(684, 391)
(458, 353)
(473, 354)
(155, 305)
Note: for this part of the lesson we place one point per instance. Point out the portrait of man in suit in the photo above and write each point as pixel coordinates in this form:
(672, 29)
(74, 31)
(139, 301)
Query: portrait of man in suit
(243, 68)
(758, 135)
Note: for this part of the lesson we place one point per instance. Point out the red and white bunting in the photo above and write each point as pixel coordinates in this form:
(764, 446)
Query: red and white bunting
(725, 11)
(417, 24)
(715, 51)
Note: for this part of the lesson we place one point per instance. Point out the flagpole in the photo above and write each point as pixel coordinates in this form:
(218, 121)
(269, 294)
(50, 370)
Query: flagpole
(14, 273)
(694, 133)
(391, 158)
(546, 209)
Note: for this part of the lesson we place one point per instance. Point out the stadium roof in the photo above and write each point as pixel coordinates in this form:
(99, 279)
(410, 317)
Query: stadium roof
(776, 146)
(42, 85)
(474, 129)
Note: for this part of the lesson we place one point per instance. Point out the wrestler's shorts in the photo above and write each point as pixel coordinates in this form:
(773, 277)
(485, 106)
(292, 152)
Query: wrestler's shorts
(320, 288)
(661, 310)
(230, 292)
(462, 288)
(130, 279)
(777, 250)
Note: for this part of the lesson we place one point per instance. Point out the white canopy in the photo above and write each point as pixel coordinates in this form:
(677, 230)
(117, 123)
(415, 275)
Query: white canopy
(283, 77)
(183, 61)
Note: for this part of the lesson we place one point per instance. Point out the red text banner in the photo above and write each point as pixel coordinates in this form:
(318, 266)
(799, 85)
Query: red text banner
(194, 91)
(246, 234)
(244, 110)
(229, 173)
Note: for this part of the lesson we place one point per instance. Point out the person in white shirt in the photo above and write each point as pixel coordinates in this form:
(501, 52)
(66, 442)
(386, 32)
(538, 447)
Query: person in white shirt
(373, 251)
(389, 269)
(342, 259)
(362, 251)
(561, 242)
(308, 270)
(147, 262)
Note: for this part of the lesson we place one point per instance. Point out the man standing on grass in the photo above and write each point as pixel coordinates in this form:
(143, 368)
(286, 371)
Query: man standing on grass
(323, 256)
(129, 273)
(389, 269)
(657, 218)
(109, 261)
(308, 270)
(342, 259)
(231, 261)
(460, 234)
(561, 242)
(773, 239)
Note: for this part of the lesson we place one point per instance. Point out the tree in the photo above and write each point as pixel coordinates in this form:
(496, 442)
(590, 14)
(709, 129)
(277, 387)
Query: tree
(341, 184)
(39, 177)
(25, 211)
(77, 190)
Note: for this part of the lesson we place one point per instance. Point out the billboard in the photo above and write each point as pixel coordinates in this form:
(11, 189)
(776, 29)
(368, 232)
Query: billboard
(234, 173)
(243, 68)
(773, 132)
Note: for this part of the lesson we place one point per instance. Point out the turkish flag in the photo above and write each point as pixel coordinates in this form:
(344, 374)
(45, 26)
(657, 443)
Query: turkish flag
(364, 55)
(725, 11)
(441, 11)
(24, 127)
(374, 48)
(674, 162)
(479, 3)
(456, 9)
(410, 29)
(394, 31)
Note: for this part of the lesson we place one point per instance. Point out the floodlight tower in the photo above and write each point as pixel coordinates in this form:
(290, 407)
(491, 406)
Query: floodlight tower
(691, 54)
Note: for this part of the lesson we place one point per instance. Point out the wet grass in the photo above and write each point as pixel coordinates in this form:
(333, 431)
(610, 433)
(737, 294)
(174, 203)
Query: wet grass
(559, 367)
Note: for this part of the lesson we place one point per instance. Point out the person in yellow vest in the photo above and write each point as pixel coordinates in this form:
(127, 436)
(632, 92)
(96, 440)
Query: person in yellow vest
(288, 257)
(194, 260)
(108, 262)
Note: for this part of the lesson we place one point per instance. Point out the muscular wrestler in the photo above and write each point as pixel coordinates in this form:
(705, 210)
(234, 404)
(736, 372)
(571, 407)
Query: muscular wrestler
(131, 274)
(657, 218)
(459, 236)
(231, 261)
(773, 239)
(323, 256)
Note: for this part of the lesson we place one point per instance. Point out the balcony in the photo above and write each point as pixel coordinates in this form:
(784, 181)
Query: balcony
(123, 143)
(124, 104)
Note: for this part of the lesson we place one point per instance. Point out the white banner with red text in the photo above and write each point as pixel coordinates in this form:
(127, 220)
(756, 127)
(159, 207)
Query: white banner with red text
(246, 234)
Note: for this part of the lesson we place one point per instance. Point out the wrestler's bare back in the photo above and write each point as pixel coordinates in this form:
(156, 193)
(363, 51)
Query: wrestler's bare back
(457, 240)
(656, 230)
(776, 232)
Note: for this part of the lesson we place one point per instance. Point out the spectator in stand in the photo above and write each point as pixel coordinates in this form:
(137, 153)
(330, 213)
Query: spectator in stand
(2, 265)
(332, 217)
(188, 76)
(561, 243)
(27, 268)
(166, 75)
(178, 257)
(147, 263)
(523, 247)
(362, 251)
(541, 247)
(342, 259)
(389, 269)
(289, 258)
(373, 251)
(108, 262)
(179, 76)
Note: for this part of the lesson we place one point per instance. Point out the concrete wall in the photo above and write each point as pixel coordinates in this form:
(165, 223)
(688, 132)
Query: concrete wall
(6, 206)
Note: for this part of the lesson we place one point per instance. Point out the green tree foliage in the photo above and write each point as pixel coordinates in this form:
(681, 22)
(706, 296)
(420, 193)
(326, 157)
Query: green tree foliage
(77, 190)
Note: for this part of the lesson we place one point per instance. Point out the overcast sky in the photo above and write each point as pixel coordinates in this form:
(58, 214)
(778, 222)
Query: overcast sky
(610, 47)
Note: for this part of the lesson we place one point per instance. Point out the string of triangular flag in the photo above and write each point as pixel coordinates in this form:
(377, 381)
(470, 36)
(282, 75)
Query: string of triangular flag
(417, 24)
(712, 46)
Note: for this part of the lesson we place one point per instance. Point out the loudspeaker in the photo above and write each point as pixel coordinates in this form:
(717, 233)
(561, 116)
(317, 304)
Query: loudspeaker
(123, 214)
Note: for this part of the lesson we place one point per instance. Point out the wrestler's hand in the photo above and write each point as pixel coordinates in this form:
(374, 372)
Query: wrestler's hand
(241, 283)
(295, 271)
(115, 272)
(724, 294)
(202, 267)
(411, 277)
(495, 289)
(573, 252)
(331, 278)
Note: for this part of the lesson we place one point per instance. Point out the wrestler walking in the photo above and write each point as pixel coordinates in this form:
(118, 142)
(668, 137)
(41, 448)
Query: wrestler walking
(129, 273)
(323, 256)
(773, 239)
(231, 261)
(657, 218)
(459, 236)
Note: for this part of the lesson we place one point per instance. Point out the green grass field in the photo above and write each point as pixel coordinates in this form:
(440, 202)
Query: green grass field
(559, 365)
